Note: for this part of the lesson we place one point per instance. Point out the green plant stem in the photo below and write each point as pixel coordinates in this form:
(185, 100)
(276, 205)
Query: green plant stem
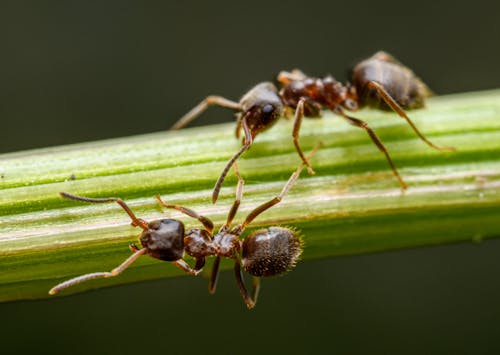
(352, 205)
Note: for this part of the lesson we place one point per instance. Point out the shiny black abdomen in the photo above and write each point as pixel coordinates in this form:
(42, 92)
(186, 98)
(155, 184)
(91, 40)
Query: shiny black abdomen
(398, 80)
(271, 251)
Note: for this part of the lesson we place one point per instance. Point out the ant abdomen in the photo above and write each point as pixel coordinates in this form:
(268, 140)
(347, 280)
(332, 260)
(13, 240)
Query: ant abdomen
(399, 81)
(271, 251)
(164, 239)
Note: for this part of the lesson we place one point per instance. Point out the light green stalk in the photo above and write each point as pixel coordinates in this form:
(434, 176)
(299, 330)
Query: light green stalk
(352, 205)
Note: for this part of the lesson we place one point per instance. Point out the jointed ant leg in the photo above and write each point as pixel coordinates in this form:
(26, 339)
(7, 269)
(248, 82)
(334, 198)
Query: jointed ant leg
(265, 206)
(202, 106)
(184, 266)
(249, 300)
(214, 276)
(200, 263)
(238, 125)
(399, 110)
(116, 271)
(246, 144)
(361, 124)
(237, 201)
(299, 114)
(255, 288)
(136, 222)
(207, 223)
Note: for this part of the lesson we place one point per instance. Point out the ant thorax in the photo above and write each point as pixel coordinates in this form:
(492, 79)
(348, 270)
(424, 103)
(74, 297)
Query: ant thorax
(318, 94)
(227, 244)
(199, 243)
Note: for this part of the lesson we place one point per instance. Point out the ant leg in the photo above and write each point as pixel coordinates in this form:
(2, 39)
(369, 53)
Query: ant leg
(255, 288)
(184, 266)
(237, 130)
(202, 106)
(135, 221)
(399, 110)
(214, 276)
(299, 114)
(200, 263)
(207, 223)
(116, 271)
(246, 144)
(237, 201)
(250, 301)
(258, 210)
(361, 124)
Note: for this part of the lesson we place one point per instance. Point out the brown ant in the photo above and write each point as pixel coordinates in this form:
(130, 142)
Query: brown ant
(379, 81)
(265, 252)
(257, 110)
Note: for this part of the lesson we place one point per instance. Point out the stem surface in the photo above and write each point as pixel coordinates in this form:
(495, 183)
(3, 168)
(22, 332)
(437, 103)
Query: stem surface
(352, 205)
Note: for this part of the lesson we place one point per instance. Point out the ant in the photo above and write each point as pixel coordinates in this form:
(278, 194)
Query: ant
(258, 110)
(265, 252)
(379, 81)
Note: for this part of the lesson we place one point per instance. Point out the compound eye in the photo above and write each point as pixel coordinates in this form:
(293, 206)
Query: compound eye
(267, 109)
(350, 105)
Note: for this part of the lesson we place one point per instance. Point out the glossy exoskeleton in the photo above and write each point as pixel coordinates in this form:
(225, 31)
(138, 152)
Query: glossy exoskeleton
(379, 81)
(265, 252)
(257, 110)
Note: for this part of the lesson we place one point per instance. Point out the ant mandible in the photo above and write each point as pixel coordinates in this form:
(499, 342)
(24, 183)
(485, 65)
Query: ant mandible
(379, 81)
(265, 252)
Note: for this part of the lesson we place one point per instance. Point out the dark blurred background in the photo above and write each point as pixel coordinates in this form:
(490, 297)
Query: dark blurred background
(73, 71)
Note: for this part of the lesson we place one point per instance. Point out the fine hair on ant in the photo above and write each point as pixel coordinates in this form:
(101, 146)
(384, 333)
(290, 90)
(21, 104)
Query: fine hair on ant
(379, 81)
(265, 252)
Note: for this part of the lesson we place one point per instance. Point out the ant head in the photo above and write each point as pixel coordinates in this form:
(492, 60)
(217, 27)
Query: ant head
(261, 107)
(271, 251)
(267, 112)
(164, 239)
